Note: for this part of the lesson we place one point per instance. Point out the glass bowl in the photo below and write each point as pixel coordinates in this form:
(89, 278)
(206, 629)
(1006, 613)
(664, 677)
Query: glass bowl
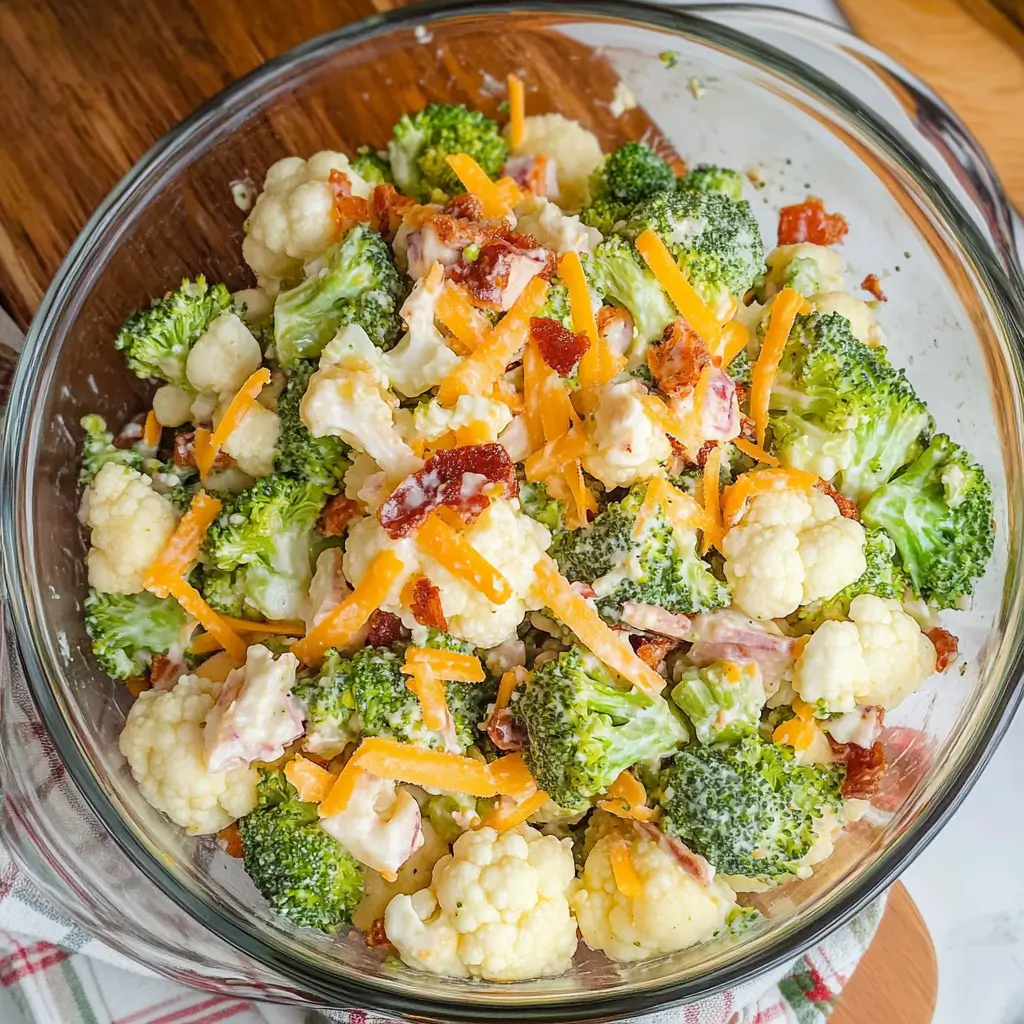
(804, 108)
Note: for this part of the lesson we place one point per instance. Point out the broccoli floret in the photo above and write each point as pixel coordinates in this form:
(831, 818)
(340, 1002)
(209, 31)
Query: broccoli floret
(304, 874)
(556, 304)
(839, 409)
(421, 144)
(538, 504)
(128, 630)
(665, 568)
(156, 341)
(224, 592)
(359, 285)
(266, 533)
(747, 807)
(709, 178)
(938, 511)
(467, 704)
(740, 369)
(98, 448)
(715, 241)
(318, 460)
(723, 700)
(617, 273)
(584, 728)
(631, 173)
(372, 165)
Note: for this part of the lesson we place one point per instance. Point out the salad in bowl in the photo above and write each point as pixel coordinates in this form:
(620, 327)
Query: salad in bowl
(529, 560)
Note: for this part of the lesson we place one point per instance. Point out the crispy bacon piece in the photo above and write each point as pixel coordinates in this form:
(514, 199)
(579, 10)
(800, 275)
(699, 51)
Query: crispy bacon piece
(705, 450)
(615, 325)
(505, 265)
(426, 604)
(376, 935)
(505, 732)
(678, 360)
(337, 514)
(909, 760)
(185, 452)
(748, 428)
(873, 285)
(559, 347)
(387, 205)
(385, 629)
(652, 650)
(348, 209)
(692, 863)
(808, 222)
(164, 671)
(865, 767)
(464, 206)
(847, 509)
(231, 837)
(947, 647)
(456, 477)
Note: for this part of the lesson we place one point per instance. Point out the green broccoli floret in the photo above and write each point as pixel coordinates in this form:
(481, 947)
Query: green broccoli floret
(938, 511)
(318, 460)
(359, 285)
(723, 701)
(740, 369)
(98, 448)
(372, 165)
(709, 178)
(747, 807)
(304, 874)
(156, 341)
(714, 240)
(584, 728)
(538, 504)
(467, 704)
(265, 533)
(224, 592)
(839, 409)
(666, 568)
(617, 273)
(631, 173)
(556, 304)
(128, 630)
(422, 142)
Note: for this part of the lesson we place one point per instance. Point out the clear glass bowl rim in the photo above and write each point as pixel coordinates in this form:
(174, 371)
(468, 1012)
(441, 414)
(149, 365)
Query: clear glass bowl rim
(1000, 278)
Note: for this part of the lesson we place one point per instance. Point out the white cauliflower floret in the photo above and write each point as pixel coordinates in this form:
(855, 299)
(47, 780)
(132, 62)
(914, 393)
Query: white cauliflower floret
(576, 153)
(224, 357)
(497, 908)
(877, 658)
(258, 306)
(627, 446)
(366, 483)
(672, 911)
(557, 231)
(861, 316)
(293, 221)
(810, 268)
(131, 525)
(790, 548)
(163, 743)
(431, 420)
(253, 442)
(172, 406)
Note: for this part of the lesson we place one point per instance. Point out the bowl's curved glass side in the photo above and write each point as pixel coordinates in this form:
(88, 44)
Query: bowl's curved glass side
(179, 218)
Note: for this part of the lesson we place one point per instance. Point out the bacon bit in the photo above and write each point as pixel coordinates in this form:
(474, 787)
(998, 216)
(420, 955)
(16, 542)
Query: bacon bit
(164, 671)
(505, 731)
(348, 209)
(653, 649)
(679, 450)
(385, 629)
(337, 514)
(808, 222)
(909, 760)
(679, 359)
(488, 277)
(426, 604)
(705, 450)
(615, 325)
(947, 647)
(693, 864)
(387, 207)
(464, 207)
(376, 935)
(560, 348)
(865, 767)
(443, 481)
(231, 837)
(847, 509)
(873, 285)
(185, 452)
(748, 428)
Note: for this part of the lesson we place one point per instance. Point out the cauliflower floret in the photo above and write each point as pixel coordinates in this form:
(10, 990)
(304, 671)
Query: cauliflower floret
(790, 548)
(131, 525)
(163, 743)
(252, 443)
(672, 911)
(366, 483)
(224, 357)
(576, 153)
(509, 540)
(431, 420)
(627, 446)
(327, 588)
(172, 406)
(544, 220)
(497, 908)
(810, 268)
(877, 658)
(293, 221)
(861, 316)
(257, 304)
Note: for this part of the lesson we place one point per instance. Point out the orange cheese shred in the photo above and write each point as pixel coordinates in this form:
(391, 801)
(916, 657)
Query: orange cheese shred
(734, 340)
(516, 112)
(239, 408)
(760, 481)
(599, 363)
(192, 601)
(343, 621)
(710, 483)
(556, 455)
(282, 627)
(429, 690)
(460, 558)
(205, 643)
(569, 607)
(680, 291)
(502, 820)
(534, 386)
(183, 547)
(758, 454)
(453, 666)
(461, 317)
(203, 452)
(341, 792)
(627, 798)
(311, 782)
(795, 733)
(509, 681)
(151, 431)
(803, 710)
(512, 776)
(781, 316)
(656, 496)
(219, 667)
(583, 500)
(390, 759)
(495, 201)
(627, 881)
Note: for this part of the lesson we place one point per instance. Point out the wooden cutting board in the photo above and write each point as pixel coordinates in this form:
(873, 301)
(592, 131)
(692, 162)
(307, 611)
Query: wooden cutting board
(971, 52)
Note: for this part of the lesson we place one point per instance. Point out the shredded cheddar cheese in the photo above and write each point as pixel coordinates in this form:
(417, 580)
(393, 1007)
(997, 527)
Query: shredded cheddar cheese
(512, 776)
(390, 759)
(458, 314)
(151, 431)
(429, 690)
(183, 547)
(758, 454)
(239, 408)
(192, 601)
(599, 363)
(496, 202)
(311, 782)
(451, 550)
(760, 481)
(710, 483)
(734, 340)
(516, 112)
(502, 820)
(627, 881)
(341, 792)
(788, 303)
(453, 666)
